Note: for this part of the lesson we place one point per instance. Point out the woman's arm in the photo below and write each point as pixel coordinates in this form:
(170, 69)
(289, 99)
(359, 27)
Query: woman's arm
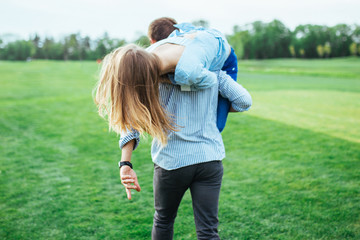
(128, 136)
(127, 174)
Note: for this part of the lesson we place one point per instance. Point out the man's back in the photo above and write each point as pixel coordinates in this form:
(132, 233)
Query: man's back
(198, 139)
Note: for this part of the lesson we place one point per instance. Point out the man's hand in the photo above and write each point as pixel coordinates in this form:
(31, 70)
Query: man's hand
(129, 180)
(232, 110)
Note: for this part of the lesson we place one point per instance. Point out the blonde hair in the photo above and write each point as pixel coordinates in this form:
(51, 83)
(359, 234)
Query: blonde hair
(128, 93)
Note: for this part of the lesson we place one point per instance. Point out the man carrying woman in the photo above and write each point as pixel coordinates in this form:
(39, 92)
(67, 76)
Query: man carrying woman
(180, 115)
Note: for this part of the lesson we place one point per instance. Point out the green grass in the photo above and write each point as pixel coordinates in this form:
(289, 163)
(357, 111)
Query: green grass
(307, 94)
(291, 171)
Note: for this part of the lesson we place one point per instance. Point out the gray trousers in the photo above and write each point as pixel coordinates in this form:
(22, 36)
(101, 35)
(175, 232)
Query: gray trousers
(204, 181)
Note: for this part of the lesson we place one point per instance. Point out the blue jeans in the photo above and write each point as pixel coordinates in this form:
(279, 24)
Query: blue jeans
(231, 68)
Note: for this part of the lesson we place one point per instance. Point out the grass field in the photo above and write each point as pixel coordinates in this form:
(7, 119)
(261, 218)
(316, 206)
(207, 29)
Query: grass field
(292, 169)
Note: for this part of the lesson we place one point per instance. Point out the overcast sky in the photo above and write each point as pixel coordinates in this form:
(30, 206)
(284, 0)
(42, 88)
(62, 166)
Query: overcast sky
(129, 19)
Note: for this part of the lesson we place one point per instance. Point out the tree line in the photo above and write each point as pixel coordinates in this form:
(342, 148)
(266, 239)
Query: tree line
(257, 40)
(260, 40)
(71, 47)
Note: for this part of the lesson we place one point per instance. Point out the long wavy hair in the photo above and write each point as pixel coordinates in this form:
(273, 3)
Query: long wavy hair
(128, 93)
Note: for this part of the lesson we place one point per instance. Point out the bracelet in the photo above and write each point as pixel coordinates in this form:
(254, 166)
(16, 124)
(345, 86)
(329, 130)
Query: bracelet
(127, 163)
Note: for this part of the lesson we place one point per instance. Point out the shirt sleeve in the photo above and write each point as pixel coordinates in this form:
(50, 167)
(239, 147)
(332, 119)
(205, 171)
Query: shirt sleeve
(196, 76)
(238, 96)
(193, 67)
(202, 55)
(127, 136)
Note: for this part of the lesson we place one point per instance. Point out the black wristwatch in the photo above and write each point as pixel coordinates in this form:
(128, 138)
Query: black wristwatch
(127, 163)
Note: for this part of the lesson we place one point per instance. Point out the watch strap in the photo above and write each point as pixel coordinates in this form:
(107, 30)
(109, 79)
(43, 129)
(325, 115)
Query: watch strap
(125, 163)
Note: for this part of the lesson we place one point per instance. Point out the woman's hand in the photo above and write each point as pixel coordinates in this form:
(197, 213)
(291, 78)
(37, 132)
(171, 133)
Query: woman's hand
(129, 180)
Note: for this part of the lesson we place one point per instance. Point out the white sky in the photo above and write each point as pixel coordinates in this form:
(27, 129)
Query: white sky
(129, 19)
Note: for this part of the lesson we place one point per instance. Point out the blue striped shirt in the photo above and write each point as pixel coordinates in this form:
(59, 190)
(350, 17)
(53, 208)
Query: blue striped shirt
(198, 139)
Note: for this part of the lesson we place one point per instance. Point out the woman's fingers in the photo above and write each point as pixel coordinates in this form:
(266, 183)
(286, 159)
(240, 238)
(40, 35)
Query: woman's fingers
(137, 186)
(123, 177)
(128, 193)
(128, 186)
(124, 181)
(129, 180)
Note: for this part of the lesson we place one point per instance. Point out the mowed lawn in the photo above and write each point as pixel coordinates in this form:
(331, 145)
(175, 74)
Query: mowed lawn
(292, 169)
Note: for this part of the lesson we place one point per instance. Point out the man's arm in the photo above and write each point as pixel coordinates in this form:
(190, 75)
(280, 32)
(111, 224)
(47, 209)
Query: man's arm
(238, 96)
(127, 174)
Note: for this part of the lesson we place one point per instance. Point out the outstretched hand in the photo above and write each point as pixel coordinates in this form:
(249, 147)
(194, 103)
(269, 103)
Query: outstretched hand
(129, 180)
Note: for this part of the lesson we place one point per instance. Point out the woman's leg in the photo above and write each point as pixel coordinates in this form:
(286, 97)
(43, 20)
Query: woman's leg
(205, 191)
(169, 188)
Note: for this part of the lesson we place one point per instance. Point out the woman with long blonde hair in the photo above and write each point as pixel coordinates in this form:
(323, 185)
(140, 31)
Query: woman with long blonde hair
(187, 149)
(128, 92)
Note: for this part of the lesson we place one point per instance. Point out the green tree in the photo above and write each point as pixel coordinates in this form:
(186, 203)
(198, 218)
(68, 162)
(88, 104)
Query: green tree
(266, 40)
(353, 49)
(100, 50)
(84, 48)
(240, 40)
(143, 41)
(327, 49)
(19, 50)
(52, 49)
(309, 37)
(1, 49)
(104, 45)
(292, 51)
(355, 36)
(320, 51)
(302, 52)
(236, 40)
(279, 39)
(72, 47)
(340, 40)
(38, 46)
(256, 40)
